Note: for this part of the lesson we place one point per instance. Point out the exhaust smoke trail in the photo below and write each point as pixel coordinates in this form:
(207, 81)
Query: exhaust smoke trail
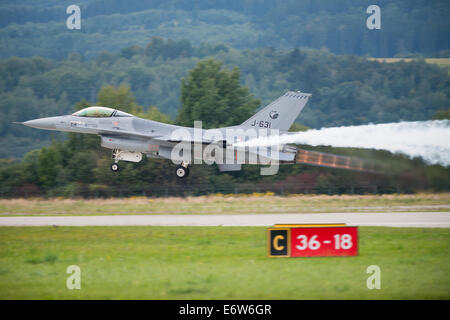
(427, 139)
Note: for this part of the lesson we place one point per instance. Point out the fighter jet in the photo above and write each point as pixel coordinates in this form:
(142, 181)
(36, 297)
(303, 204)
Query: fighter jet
(130, 137)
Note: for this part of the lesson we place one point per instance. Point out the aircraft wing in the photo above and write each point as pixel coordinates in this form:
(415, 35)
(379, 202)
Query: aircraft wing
(170, 139)
(162, 138)
(126, 133)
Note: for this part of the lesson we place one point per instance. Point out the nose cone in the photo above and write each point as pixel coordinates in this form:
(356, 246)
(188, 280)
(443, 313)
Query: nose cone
(43, 123)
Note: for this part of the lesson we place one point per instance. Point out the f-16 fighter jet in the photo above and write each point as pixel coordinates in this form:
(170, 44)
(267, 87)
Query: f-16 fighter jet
(130, 137)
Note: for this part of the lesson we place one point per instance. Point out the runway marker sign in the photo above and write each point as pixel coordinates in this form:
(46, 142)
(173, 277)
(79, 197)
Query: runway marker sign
(318, 240)
(279, 243)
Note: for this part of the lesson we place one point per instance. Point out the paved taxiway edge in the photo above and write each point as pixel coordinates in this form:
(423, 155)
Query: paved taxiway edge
(386, 219)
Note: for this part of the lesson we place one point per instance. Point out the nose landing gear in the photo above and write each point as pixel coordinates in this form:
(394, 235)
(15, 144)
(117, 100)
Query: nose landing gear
(115, 155)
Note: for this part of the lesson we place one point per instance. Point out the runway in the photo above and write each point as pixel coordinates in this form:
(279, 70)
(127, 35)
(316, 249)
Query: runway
(385, 219)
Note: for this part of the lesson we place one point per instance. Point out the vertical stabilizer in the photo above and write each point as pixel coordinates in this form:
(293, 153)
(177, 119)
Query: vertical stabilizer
(281, 113)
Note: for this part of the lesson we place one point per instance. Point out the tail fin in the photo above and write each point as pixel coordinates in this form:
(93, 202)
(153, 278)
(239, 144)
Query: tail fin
(281, 113)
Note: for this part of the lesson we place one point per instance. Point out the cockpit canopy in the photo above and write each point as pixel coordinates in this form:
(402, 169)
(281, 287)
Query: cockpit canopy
(100, 112)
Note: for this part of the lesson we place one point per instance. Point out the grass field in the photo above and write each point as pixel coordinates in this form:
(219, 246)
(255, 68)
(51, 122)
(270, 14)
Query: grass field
(215, 263)
(229, 204)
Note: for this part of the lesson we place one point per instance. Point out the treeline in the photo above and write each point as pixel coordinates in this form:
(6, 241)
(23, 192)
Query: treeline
(79, 167)
(347, 90)
(408, 27)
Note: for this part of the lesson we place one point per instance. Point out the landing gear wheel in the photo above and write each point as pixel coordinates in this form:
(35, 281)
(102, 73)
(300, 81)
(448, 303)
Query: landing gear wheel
(115, 167)
(182, 172)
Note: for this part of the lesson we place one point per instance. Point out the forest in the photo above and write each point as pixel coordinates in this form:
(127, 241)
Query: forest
(76, 166)
(408, 27)
(176, 61)
(347, 90)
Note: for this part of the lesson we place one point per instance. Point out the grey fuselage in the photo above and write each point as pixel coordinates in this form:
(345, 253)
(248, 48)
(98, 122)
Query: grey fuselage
(155, 139)
(123, 128)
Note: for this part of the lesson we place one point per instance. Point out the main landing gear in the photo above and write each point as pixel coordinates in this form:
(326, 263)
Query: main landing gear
(115, 167)
(182, 171)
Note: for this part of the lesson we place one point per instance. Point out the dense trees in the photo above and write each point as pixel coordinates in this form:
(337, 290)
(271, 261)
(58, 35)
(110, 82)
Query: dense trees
(112, 61)
(78, 166)
(37, 28)
(346, 90)
(215, 96)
